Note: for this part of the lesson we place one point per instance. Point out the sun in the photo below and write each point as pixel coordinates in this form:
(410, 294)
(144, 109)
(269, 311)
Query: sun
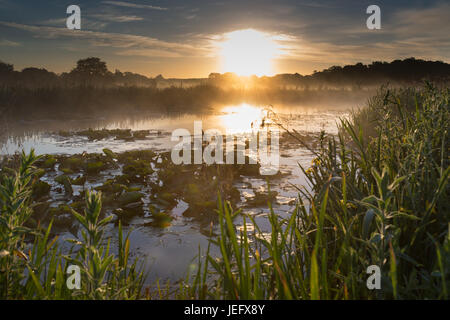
(248, 52)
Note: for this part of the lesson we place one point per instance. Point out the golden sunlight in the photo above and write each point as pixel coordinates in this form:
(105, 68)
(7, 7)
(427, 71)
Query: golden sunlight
(248, 52)
(241, 118)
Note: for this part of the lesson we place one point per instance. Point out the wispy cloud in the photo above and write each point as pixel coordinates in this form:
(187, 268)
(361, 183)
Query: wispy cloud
(431, 23)
(418, 32)
(8, 43)
(116, 18)
(315, 4)
(86, 23)
(118, 43)
(133, 5)
(95, 21)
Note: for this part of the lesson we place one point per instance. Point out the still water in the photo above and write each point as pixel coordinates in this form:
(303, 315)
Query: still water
(170, 252)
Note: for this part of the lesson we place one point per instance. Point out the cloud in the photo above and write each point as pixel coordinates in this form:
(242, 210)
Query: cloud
(116, 18)
(335, 53)
(190, 16)
(422, 33)
(314, 4)
(162, 53)
(124, 44)
(133, 5)
(55, 22)
(85, 23)
(426, 24)
(90, 21)
(8, 43)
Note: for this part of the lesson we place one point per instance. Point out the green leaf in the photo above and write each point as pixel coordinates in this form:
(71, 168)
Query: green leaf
(368, 217)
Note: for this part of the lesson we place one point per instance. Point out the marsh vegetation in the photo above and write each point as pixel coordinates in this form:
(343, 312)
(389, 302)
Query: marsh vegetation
(376, 193)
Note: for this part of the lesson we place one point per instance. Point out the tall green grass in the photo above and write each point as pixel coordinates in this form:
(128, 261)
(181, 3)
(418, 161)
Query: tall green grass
(32, 266)
(379, 196)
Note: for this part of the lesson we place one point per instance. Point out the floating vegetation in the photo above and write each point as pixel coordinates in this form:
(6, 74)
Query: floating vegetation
(126, 135)
(49, 162)
(65, 181)
(160, 219)
(137, 170)
(129, 197)
(131, 183)
(261, 198)
(40, 189)
(79, 181)
(109, 153)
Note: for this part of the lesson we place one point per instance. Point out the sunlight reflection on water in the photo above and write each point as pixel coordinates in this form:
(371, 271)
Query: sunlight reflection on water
(241, 118)
(235, 118)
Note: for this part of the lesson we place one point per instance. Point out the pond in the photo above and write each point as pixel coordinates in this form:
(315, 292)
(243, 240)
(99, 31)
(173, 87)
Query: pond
(169, 251)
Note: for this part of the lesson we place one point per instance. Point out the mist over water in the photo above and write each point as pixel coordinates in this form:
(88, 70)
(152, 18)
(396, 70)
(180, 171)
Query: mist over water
(42, 135)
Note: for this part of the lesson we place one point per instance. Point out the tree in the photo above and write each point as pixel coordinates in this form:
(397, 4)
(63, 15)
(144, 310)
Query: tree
(91, 67)
(214, 76)
(36, 77)
(6, 68)
(7, 74)
(91, 71)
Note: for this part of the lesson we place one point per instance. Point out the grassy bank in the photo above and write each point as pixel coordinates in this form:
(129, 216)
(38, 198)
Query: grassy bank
(380, 196)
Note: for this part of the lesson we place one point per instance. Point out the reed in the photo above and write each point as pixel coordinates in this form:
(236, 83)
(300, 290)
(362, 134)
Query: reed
(379, 196)
(34, 267)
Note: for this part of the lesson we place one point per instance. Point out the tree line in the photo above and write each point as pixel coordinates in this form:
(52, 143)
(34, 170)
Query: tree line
(93, 72)
(90, 71)
(408, 71)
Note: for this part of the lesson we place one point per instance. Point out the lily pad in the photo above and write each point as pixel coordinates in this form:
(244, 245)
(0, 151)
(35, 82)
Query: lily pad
(130, 197)
(41, 189)
(161, 220)
(65, 181)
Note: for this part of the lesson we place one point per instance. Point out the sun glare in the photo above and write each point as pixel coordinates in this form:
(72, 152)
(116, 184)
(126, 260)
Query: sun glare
(241, 118)
(248, 52)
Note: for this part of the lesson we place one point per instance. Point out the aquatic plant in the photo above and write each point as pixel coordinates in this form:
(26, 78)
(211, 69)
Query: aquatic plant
(378, 198)
(33, 267)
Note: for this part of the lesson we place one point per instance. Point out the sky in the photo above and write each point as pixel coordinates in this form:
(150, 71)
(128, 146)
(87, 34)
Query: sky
(183, 38)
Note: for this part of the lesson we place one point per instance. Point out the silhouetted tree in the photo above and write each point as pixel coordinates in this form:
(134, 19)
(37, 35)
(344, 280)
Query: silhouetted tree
(6, 73)
(6, 68)
(91, 71)
(132, 79)
(214, 76)
(91, 67)
(34, 77)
